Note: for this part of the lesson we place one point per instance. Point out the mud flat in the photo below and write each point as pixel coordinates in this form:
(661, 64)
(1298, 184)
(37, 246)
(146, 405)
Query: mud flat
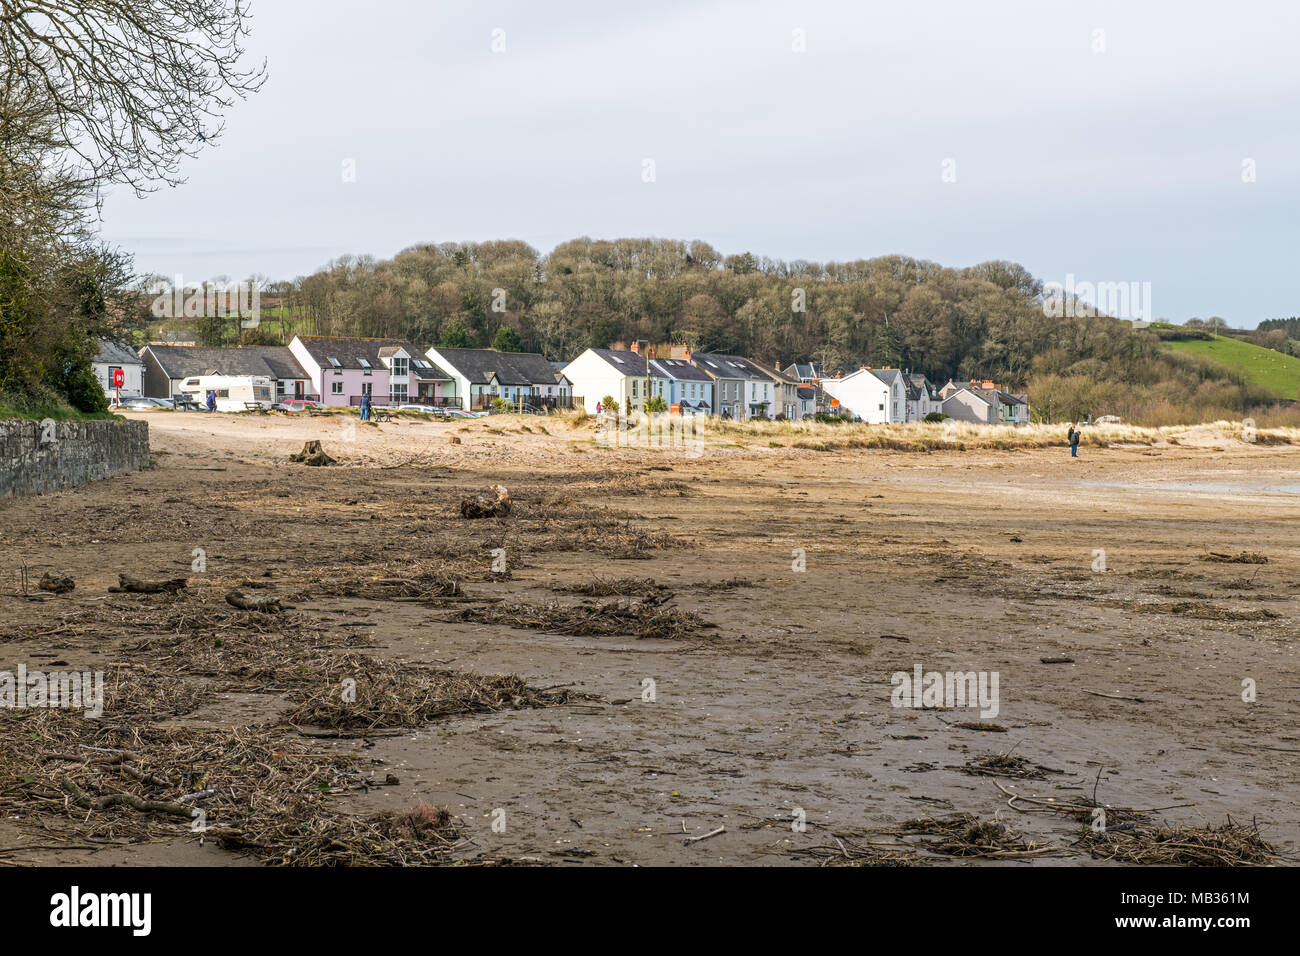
(653, 646)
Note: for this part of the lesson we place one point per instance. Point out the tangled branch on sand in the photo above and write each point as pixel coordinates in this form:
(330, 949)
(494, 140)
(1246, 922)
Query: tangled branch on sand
(385, 694)
(638, 619)
(963, 834)
(255, 790)
(1229, 844)
(1005, 765)
(1241, 557)
(648, 589)
(1127, 835)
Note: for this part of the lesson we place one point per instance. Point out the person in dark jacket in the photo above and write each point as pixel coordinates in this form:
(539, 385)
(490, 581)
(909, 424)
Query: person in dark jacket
(212, 401)
(365, 408)
(1074, 435)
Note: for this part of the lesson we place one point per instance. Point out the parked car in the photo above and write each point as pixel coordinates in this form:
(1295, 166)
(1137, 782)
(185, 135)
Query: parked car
(452, 413)
(413, 408)
(140, 404)
(296, 405)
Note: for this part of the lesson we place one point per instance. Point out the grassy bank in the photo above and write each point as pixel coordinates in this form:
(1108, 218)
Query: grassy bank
(1276, 373)
(22, 407)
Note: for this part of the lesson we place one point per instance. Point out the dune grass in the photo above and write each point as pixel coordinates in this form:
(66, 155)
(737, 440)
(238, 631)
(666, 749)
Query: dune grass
(962, 436)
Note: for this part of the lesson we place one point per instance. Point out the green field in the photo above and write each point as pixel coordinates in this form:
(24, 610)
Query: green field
(1278, 373)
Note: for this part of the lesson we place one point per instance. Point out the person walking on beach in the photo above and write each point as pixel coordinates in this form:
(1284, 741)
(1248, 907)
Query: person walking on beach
(1073, 436)
(365, 408)
(212, 401)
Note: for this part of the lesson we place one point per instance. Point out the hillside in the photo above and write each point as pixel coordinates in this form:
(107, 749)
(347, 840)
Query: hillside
(1266, 369)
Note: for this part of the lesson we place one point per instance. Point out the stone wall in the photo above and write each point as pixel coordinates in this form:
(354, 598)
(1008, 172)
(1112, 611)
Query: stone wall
(40, 456)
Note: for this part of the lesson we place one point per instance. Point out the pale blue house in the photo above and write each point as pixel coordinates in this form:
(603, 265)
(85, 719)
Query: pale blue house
(681, 383)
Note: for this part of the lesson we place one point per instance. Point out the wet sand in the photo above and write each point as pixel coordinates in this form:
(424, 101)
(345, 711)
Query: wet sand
(981, 561)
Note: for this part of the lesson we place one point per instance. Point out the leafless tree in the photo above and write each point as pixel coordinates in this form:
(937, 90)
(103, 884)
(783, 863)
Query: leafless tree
(131, 86)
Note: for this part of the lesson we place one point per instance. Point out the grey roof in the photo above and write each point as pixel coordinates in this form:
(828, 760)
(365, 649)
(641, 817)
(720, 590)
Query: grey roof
(426, 370)
(1007, 398)
(887, 375)
(982, 394)
(627, 362)
(480, 366)
(349, 350)
(807, 392)
(918, 386)
(184, 361)
(111, 353)
(719, 365)
(678, 369)
(804, 370)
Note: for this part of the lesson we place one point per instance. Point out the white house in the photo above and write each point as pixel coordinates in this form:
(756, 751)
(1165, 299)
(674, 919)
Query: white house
(481, 375)
(168, 367)
(897, 384)
(112, 358)
(619, 374)
(922, 397)
(861, 394)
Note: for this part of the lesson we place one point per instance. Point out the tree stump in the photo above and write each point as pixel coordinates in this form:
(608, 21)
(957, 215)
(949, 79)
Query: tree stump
(254, 602)
(139, 586)
(56, 583)
(486, 506)
(313, 454)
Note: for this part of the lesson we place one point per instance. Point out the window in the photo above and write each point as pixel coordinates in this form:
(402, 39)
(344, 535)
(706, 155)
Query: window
(400, 367)
(279, 387)
(367, 388)
(336, 388)
(398, 392)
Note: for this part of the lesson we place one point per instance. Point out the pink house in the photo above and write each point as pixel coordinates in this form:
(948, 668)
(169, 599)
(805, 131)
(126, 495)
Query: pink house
(390, 371)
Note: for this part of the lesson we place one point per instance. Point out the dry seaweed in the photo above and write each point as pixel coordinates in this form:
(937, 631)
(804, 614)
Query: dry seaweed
(638, 619)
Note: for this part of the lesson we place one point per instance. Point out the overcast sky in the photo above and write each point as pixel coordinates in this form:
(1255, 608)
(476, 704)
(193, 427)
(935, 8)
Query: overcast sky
(1104, 140)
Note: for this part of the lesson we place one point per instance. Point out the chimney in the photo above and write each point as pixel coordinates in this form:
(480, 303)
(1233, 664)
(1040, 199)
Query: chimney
(650, 353)
(686, 354)
(636, 348)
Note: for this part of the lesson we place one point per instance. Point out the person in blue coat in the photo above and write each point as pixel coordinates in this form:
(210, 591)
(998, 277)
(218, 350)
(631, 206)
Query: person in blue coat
(212, 400)
(365, 408)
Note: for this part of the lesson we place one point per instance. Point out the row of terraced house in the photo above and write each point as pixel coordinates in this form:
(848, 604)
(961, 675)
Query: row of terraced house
(336, 370)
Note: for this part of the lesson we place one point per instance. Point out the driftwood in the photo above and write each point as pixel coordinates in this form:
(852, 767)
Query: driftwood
(254, 602)
(313, 454)
(140, 586)
(486, 506)
(56, 583)
(79, 797)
